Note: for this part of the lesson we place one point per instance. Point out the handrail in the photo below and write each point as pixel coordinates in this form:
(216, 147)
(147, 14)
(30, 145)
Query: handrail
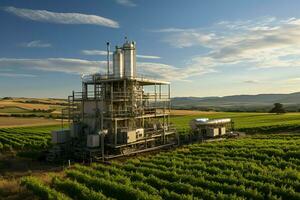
(120, 95)
(97, 76)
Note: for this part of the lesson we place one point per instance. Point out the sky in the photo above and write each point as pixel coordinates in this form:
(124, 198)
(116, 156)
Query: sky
(204, 48)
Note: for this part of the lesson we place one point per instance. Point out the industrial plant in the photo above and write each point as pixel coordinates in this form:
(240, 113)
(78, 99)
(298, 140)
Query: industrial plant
(116, 113)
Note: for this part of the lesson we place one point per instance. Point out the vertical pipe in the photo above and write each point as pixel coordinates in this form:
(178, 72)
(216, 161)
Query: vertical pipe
(125, 97)
(69, 110)
(169, 92)
(96, 126)
(112, 97)
(62, 119)
(159, 91)
(107, 48)
(95, 89)
(164, 117)
(84, 90)
(155, 98)
(169, 99)
(116, 132)
(102, 137)
(101, 128)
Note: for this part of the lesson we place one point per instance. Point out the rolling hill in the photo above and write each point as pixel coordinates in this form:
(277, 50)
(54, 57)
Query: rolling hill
(260, 102)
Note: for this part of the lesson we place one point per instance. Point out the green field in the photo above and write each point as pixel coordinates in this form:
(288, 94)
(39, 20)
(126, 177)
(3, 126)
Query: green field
(13, 110)
(246, 121)
(39, 136)
(26, 138)
(256, 167)
(259, 166)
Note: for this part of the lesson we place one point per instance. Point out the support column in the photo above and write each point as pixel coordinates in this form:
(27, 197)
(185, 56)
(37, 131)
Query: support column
(84, 90)
(169, 106)
(155, 94)
(116, 132)
(102, 135)
(125, 100)
(159, 91)
(112, 97)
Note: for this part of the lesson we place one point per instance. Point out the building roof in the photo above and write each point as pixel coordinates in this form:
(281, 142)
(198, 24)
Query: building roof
(99, 78)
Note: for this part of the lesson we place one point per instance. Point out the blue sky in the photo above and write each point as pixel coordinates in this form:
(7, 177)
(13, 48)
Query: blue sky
(205, 48)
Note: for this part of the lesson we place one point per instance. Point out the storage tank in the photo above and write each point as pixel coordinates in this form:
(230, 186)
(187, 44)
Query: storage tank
(93, 141)
(129, 59)
(118, 67)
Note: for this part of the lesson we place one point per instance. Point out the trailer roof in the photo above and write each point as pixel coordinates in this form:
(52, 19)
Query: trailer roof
(206, 121)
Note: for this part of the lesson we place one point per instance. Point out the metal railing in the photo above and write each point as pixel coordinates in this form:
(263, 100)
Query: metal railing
(91, 95)
(99, 77)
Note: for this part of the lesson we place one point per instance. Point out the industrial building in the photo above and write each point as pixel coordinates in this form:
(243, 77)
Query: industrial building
(205, 127)
(116, 113)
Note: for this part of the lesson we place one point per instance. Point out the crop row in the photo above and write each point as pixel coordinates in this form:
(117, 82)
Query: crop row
(257, 167)
(24, 138)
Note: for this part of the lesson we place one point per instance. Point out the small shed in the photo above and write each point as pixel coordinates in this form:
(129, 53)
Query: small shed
(211, 127)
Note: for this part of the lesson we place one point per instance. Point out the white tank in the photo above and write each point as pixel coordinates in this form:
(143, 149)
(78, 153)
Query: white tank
(129, 59)
(118, 67)
(205, 121)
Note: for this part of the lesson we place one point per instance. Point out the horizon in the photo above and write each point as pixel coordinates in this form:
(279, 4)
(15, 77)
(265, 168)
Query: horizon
(207, 49)
(171, 97)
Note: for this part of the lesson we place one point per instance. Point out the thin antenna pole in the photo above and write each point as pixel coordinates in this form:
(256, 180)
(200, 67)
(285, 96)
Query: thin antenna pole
(107, 45)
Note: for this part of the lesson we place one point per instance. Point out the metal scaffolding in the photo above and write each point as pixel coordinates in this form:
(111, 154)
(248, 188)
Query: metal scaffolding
(119, 113)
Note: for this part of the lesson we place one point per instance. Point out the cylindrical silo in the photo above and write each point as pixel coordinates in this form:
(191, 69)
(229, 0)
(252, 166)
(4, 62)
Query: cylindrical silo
(129, 59)
(118, 67)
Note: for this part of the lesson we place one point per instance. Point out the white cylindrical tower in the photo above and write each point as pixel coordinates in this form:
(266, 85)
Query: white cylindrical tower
(118, 67)
(129, 59)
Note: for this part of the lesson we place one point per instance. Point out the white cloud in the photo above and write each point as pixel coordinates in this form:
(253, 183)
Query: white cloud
(260, 43)
(95, 52)
(104, 53)
(128, 3)
(14, 75)
(170, 30)
(79, 66)
(158, 70)
(65, 65)
(36, 44)
(169, 72)
(188, 39)
(292, 80)
(61, 18)
(148, 57)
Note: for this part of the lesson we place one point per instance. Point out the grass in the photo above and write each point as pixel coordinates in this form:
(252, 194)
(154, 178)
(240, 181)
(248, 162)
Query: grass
(256, 167)
(27, 105)
(13, 110)
(243, 120)
(25, 121)
(26, 138)
(261, 166)
(11, 190)
(250, 122)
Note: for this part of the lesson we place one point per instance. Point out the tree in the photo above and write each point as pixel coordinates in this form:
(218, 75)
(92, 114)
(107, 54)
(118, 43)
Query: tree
(278, 109)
